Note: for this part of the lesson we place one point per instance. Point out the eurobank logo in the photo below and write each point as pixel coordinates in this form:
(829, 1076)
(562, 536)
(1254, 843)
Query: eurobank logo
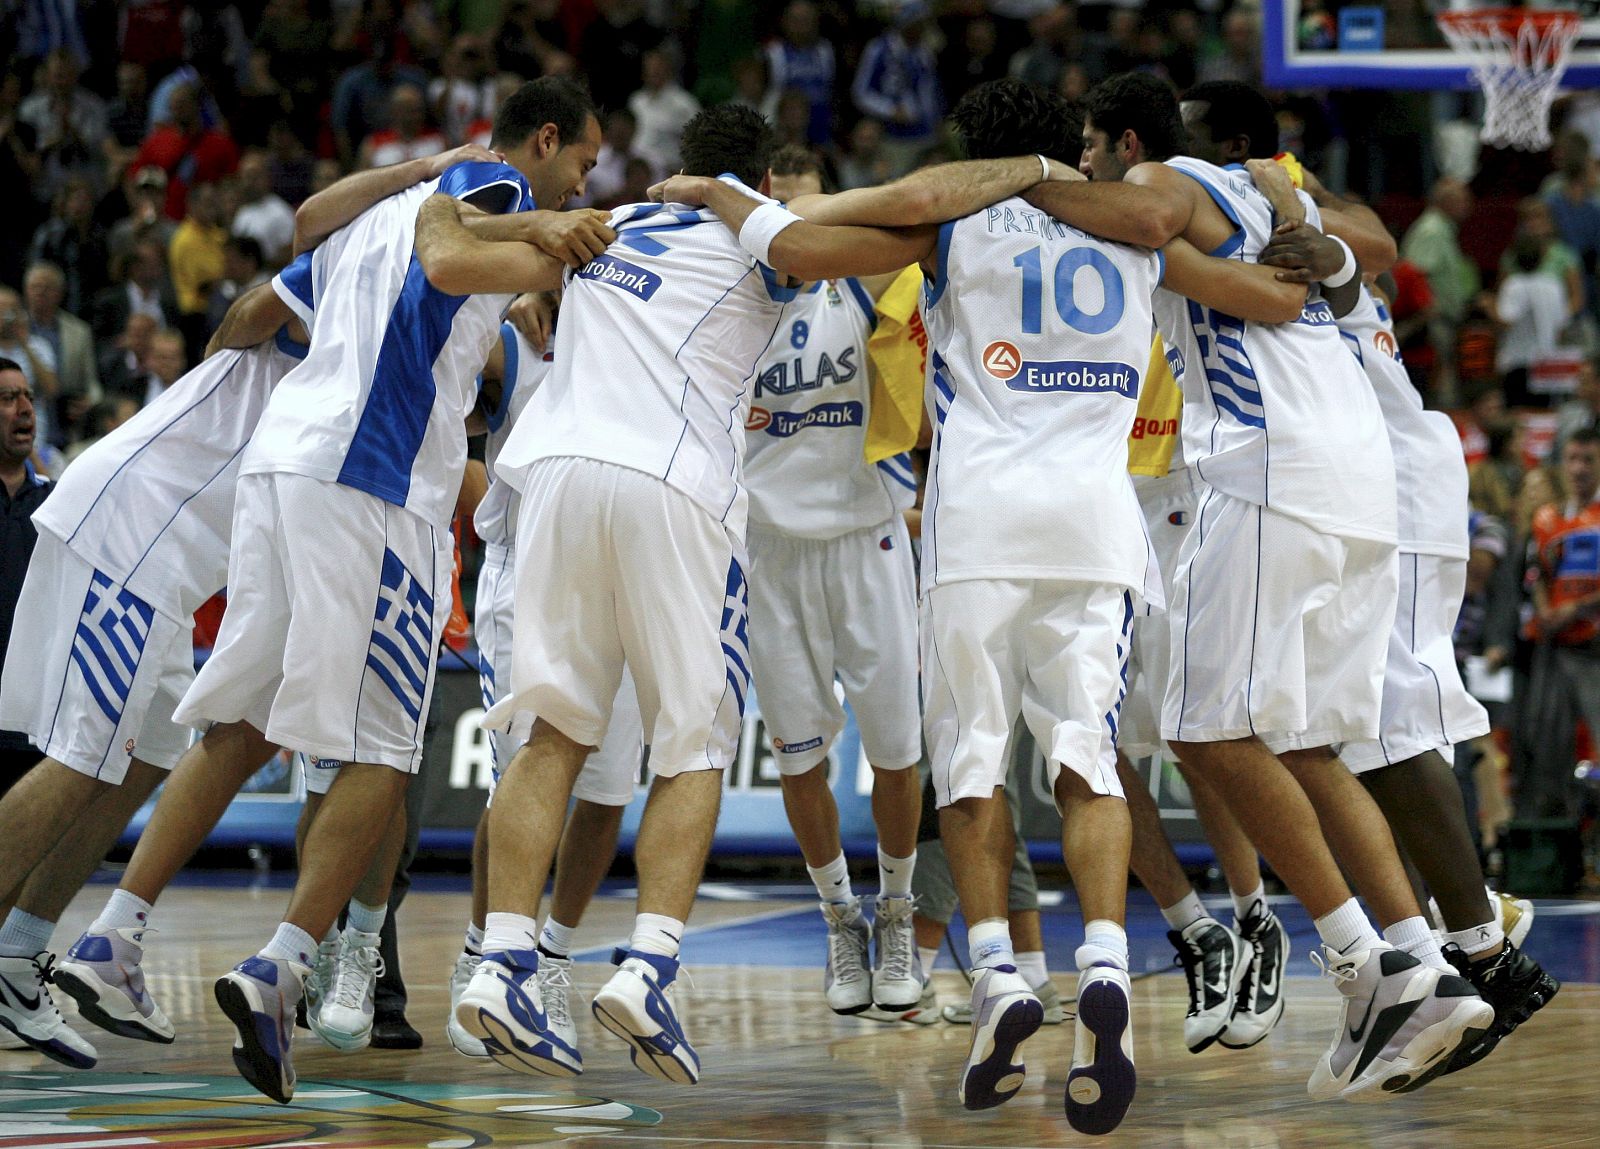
(1076, 376)
(619, 273)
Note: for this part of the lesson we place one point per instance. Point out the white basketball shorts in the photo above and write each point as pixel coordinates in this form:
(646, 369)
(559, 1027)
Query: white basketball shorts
(1055, 651)
(611, 772)
(844, 607)
(93, 671)
(1278, 630)
(336, 601)
(1425, 705)
(1168, 504)
(615, 569)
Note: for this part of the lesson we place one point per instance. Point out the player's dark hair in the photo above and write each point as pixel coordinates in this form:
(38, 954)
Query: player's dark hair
(1012, 117)
(798, 160)
(10, 365)
(1235, 109)
(1588, 436)
(1143, 104)
(248, 247)
(548, 100)
(727, 138)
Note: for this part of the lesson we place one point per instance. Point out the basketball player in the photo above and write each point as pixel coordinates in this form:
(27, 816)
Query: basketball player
(367, 433)
(833, 594)
(629, 459)
(1031, 576)
(1321, 537)
(516, 368)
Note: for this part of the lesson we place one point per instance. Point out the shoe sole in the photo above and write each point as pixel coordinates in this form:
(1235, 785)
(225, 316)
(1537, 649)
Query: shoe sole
(250, 1055)
(994, 1078)
(1426, 1056)
(342, 1040)
(88, 994)
(1098, 1094)
(456, 1036)
(58, 1051)
(501, 1045)
(853, 1010)
(1466, 1056)
(614, 1014)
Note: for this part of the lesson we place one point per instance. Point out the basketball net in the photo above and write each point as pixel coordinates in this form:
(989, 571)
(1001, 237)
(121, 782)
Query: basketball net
(1518, 58)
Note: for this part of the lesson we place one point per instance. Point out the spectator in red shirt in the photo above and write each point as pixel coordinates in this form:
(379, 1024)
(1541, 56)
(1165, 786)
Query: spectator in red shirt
(408, 136)
(1411, 304)
(187, 151)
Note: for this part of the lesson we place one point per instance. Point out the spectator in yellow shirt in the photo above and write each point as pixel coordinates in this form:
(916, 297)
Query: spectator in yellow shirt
(196, 260)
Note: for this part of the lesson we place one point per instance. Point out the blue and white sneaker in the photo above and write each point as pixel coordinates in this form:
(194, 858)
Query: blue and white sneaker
(1005, 1013)
(101, 973)
(636, 1005)
(897, 971)
(502, 1008)
(28, 1011)
(259, 995)
(1101, 1083)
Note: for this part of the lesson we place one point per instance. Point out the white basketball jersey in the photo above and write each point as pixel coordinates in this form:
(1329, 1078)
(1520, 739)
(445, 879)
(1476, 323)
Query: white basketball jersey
(805, 447)
(1272, 413)
(656, 347)
(380, 402)
(1430, 469)
(1038, 336)
(496, 518)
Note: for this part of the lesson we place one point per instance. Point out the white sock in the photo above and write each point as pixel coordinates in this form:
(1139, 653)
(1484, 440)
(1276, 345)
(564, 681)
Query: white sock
(929, 955)
(23, 935)
(365, 919)
(474, 944)
(657, 934)
(833, 880)
(1416, 937)
(1346, 929)
(1474, 940)
(1030, 964)
(505, 932)
(989, 944)
(555, 939)
(1243, 904)
(894, 874)
(1104, 943)
(291, 943)
(1184, 913)
(123, 911)
(332, 935)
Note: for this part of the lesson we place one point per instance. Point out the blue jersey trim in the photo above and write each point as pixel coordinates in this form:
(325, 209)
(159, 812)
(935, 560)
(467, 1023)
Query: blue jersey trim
(859, 294)
(290, 346)
(935, 289)
(508, 375)
(1235, 241)
(296, 280)
(1161, 267)
(776, 291)
(492, 187)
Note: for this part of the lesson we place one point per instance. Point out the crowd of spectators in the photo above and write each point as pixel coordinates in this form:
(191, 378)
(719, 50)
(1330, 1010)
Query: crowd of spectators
(156, 151)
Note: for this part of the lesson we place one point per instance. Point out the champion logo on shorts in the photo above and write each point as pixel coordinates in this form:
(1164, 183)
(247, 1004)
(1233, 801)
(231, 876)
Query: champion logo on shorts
(127, 747)
(1178, 518)
(886, 543)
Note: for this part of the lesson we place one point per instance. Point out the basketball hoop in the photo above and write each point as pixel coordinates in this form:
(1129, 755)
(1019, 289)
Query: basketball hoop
(1518, 58)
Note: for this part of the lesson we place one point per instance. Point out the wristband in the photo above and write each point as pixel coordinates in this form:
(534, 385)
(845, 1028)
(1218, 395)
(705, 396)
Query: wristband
(1346, 273)
(1044, 166)
(762, 226)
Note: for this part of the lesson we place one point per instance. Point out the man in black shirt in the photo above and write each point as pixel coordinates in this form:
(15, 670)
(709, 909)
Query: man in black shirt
(22, 489)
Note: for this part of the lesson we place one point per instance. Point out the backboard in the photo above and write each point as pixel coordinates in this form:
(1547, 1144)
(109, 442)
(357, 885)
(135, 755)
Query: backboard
(1393, 44)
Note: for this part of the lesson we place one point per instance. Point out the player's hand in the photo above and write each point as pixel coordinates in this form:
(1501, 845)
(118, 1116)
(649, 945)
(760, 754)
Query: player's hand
(573, 237)
(466, 153)
(534, 314)
(1303, 252)
(688, 190)
(1273, 181)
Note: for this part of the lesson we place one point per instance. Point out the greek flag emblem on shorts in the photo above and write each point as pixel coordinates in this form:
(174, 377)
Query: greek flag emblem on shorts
(109, 642)
(736, 632)
(402, 635)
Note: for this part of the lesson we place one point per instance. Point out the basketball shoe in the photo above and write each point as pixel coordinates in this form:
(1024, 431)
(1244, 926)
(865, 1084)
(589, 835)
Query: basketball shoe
(636, 1005)
(464, 1042)
(320, 980)
(1513, 983)
(259, 996)
(1049, 997)
(846, 979)
(101, 973)
(897, 967)
(1259, 1006)
(344, 1020)
(1399, 1019)
(29, 1012)
(555, 990)
(1005, 1013)
(1215, 961)
(501, 1007)
(1102, 1081)
(926, 1011)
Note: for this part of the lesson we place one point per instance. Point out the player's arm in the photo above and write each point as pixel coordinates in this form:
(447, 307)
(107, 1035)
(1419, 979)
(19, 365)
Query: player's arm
(1147, 211)
(457, 262)
(932, 195)
(1356, 224)
(574, 237)
(1246, 290)
(331, 208)
(474, 485)
(1308, 256)
(253, 318)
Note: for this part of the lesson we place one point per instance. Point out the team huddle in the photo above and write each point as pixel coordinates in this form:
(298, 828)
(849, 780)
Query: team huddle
(681, 505)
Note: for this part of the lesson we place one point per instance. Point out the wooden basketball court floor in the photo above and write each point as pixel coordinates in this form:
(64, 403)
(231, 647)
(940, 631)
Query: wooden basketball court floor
(779, 1069)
